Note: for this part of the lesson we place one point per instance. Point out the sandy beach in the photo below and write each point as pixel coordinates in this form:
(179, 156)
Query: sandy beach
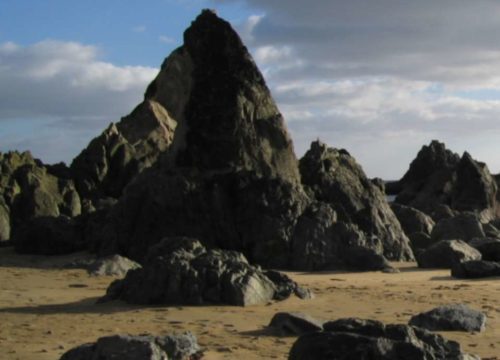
(45, 310)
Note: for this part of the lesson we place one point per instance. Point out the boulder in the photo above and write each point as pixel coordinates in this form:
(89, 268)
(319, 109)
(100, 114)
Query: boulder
(464, 226)
(114, 265)
(369, 339)
(365, 259)
(293, 323)
(284, 286)
(475, 269)
(194, 275)
(176, 347)
(455, 317)
(488, 247)
(440, 177)
(420, 241)
(412, 220)
(446, 253)
(442, 211)
(49, 236)
(490, 230)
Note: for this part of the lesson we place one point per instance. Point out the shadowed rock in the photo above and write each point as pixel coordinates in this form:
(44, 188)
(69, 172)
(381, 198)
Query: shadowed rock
(465, 226)
(475, 269)
(455, 317)
(446, 253)
(176, 347)
(369, 339)
(488, 247)
(294, 323)
(412, 220)
(114, 265)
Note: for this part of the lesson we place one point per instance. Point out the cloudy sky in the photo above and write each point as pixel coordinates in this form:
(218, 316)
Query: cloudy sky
(380, 78)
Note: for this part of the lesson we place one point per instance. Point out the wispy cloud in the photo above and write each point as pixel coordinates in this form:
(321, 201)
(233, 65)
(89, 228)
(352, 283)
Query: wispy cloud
(166, 39)
(139, 29)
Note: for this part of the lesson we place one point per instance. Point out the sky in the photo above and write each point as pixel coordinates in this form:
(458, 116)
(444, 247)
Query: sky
(380, 78)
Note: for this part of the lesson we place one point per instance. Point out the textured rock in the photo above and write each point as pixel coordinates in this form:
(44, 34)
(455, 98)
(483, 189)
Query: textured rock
(488, 247)
(412, 220)
(446, 253)
(114, 265)
(455, 317)
(176, 347)
(190, 274)
(439, 177)
(368, 339)
(475, 269)
(49, 236)
(4, 220)
(420, 241)
(334, 177)
(294, 323)
(122, 151)
(465, 226)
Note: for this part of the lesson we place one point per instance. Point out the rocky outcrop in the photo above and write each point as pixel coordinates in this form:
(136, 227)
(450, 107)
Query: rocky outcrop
(455, 317)
(122, 151)
(182, 271)
(412, 220)
(335, 179)
(439, 177)
(446, 254)
(370, 339)
(176, 347)
(465, 226)
(488, 247)
(475, 269)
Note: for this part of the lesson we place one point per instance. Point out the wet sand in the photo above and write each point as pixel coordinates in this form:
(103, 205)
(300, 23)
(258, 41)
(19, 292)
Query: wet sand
(45, 310)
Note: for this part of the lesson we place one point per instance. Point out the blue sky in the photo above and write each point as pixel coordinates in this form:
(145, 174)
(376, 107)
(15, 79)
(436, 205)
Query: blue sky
(379, 78)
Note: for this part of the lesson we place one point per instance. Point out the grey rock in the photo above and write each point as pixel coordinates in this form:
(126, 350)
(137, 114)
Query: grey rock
(488, 247)
(177, 347)
(191, 274)
(113, 265)
(446, 253)
(412, 220)
(365, 259)
(368, 339)
(490, 230)
(455, 317)
(475, 269)
(465, 226)
(293, 323)
(420, 241)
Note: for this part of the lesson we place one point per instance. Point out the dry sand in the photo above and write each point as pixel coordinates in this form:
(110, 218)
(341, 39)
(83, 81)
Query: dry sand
(44, 311)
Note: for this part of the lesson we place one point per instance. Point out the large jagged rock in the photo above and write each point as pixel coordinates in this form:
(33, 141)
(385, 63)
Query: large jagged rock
(412, 220)
(369, 339)
(122, 151)
(334, 177)
(464, 226)
(182, 271)
(440, 177)
(446, 254)
(144, 347)
(30, 189)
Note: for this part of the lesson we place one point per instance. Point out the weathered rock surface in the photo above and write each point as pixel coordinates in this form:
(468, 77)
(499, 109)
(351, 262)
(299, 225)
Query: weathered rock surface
(488, 247)
(114, 265)
(49, 236)
(440, 177)
(475, 269)
(420, 241)
(369, 339)
(446, 253)
(412, 220)
(454, 317)
(122, 151)
(176, 347)
(464, 226)
(188, 273)
(294, 323)
(4, 221)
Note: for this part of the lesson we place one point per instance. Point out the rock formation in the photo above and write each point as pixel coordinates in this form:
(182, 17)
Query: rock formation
(440, 177)
(446, 254)
(475, 269)
(454, 317)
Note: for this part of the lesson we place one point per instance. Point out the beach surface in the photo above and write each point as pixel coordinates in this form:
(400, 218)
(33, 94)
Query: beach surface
(46, 310)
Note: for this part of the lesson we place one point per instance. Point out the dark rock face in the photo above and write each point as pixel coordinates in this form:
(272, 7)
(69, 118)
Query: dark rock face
(114, 265)
(294, 323)
(488, 247)
(49, 236)
(464, 226)
(455, 317)
(475, 269)
(420, 241)
(122, 151)
(190, 274)
(446, 253)
(177, 347)
(439, 177)
(334, 178)
(369, 339)
(412, 220)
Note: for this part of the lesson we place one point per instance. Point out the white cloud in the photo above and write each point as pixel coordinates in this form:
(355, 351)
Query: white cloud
(63, 83)
(166, 39)
(139, 29)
